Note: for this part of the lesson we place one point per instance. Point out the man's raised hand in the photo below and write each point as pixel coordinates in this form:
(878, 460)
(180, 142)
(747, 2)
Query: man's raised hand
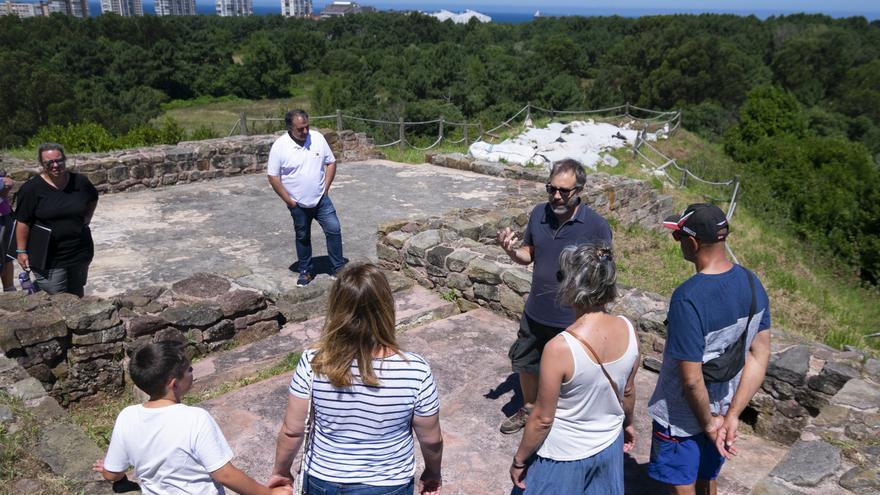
(506, 238)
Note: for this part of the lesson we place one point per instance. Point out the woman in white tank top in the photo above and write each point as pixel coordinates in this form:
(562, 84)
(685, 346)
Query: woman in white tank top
(581, 425)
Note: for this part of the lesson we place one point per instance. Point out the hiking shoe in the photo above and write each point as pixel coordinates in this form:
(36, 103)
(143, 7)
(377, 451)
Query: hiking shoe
(304, 279)
(516, 422)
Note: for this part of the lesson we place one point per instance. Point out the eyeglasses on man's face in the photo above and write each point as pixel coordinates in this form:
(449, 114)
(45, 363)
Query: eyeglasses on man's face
(551, 190)
(51, 163)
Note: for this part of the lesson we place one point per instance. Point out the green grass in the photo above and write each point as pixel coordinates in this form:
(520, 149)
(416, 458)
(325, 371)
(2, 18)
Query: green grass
(97, 417)
(412, 155)
(220, 116)
(811, 293)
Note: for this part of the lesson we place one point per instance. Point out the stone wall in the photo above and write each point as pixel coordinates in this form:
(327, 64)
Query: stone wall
(76, 347)
(140, 168)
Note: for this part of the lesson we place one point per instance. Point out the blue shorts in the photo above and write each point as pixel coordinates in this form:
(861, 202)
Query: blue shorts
(599, 473)
(682, 460)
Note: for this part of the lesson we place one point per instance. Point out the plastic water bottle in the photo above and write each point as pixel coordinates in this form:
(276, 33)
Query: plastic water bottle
(24, 279)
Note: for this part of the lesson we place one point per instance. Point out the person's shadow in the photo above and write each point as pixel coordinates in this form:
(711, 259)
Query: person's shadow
(635, 476)
(320, 264)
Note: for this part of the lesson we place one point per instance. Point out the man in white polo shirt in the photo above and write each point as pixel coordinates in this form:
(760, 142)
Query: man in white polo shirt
(301, 169)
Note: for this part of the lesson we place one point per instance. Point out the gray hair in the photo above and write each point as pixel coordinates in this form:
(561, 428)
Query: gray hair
(587, 276)
(49, 147)
(294, 114)
(569, 165)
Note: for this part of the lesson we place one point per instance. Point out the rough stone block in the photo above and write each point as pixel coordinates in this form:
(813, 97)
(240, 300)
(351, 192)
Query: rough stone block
(90, 315)
(419, 244)
(791, 365)
(31, 327)
(112, 334)
(138, 298)
(388, 253)
(257, 331)
(437, 256)
(221, 331)
(773, 486)
(145, 325)
(465, 228)
(860, 394)
(484, 271)
(192, 315)
(486, 292)
(832, 377)
(88, 353)
(862, 480)
(27, 389)
(201, 286)
(398, 238)
(239, 302)
(510, 300)
(458, 281)
(67, 451)
(518, 279)
(458, 260)
(391, 226)
(808, 463)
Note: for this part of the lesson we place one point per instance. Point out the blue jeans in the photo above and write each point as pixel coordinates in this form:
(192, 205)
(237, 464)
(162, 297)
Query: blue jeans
(325, 213)
(315, 486)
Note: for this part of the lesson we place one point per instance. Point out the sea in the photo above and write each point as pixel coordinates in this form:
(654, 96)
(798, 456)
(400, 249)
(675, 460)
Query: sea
(521, 16)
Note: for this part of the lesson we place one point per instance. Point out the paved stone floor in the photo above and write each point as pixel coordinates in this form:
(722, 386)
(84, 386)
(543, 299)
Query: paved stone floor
(468, 355)
(239, 227)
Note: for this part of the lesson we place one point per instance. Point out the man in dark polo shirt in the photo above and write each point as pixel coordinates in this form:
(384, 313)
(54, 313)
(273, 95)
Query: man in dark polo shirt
(562, 221)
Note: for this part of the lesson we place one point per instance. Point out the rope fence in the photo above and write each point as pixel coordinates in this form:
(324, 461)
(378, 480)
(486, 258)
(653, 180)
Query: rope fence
(669, 121)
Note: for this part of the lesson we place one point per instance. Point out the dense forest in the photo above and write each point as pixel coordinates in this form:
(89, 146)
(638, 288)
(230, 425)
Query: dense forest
(795, 100)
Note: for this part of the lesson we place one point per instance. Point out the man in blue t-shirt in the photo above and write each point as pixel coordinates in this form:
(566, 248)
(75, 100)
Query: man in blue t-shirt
(717, 350)
(561, 222)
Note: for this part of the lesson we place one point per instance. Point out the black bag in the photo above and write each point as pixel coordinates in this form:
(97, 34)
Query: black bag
(726, 366)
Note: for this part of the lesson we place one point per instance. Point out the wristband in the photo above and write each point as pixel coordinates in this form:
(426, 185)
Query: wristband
(515, 465)
(21, 251)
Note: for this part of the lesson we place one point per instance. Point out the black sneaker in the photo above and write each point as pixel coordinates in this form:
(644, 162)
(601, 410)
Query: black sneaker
(304, 279)
(516, 422)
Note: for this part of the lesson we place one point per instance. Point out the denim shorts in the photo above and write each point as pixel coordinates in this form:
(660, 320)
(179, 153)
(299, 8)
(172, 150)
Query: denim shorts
(599, 473)
(682, 460)
(316, 486)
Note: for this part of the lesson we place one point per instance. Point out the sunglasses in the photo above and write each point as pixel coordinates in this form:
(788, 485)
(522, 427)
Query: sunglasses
(561, 190)
(58, 161)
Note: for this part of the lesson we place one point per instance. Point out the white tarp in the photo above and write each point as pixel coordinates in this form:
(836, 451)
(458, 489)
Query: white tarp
(585, 141)
(462, 18)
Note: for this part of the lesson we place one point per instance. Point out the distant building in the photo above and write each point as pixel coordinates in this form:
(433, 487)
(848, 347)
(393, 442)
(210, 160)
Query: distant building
(124, 8)
(20, 9)
(337, 9)
(175, 7)
(235, 8)
(296, 8)
(76, 8)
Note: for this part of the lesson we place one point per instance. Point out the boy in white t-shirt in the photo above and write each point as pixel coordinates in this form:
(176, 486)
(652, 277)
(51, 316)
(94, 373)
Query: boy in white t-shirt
(174, 448)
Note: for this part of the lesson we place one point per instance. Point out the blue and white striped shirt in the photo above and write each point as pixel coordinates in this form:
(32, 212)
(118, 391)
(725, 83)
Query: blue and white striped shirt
(363, 434)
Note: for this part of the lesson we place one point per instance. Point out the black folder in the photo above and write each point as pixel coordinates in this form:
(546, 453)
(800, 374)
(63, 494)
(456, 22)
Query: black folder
(37, 246)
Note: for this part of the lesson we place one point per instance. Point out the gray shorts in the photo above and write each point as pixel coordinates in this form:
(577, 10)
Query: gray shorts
(70, 279)
(525, 353)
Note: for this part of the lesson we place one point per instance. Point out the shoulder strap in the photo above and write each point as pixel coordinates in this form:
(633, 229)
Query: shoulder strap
(599, 362)
(754, 307)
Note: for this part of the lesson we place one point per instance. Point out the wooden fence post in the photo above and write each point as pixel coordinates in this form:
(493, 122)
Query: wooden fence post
(242, 128)
(402, 135)
(440, 134)
(338, 120)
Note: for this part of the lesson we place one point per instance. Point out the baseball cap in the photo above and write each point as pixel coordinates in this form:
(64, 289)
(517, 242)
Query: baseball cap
(704, 221)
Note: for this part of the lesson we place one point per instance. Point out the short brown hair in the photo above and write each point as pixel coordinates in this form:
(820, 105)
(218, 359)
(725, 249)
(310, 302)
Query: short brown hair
(360, 319)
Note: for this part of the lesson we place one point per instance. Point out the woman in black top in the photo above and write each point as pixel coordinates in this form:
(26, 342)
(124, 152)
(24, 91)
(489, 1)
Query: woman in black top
(64, 202)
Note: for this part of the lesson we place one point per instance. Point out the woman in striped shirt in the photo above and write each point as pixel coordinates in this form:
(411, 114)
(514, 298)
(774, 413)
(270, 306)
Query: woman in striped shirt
(369, 397)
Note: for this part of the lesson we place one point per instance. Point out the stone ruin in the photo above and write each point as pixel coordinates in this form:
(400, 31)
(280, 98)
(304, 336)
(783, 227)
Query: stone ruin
(823, 402)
